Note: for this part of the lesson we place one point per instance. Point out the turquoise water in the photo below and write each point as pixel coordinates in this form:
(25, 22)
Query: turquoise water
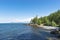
(17, 31)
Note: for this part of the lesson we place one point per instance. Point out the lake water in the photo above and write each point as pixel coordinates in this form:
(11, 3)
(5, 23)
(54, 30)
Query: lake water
(18, 31)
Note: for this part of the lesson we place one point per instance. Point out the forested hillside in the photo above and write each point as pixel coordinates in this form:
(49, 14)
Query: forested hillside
(51, 20)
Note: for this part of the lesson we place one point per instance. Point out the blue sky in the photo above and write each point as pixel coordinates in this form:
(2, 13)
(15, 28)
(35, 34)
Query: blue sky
(24, 10)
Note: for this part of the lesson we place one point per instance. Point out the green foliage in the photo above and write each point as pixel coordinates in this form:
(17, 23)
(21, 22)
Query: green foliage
(48, 23)
(34, 20)
(53, 23)
(55, 17)
(41, 19)
(39, 22)
(52, 20)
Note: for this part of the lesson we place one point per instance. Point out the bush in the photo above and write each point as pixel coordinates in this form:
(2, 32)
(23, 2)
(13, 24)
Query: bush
(53, 23)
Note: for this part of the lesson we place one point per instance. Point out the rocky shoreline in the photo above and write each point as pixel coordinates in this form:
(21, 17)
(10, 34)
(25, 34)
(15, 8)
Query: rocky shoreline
(35, 25)
(42, 26)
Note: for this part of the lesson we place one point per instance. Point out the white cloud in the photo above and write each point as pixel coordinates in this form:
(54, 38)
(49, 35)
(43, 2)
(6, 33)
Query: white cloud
(23, 20)
(15, 20)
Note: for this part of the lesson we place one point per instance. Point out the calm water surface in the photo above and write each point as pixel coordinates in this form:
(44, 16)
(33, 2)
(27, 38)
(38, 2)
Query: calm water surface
(19, 31)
